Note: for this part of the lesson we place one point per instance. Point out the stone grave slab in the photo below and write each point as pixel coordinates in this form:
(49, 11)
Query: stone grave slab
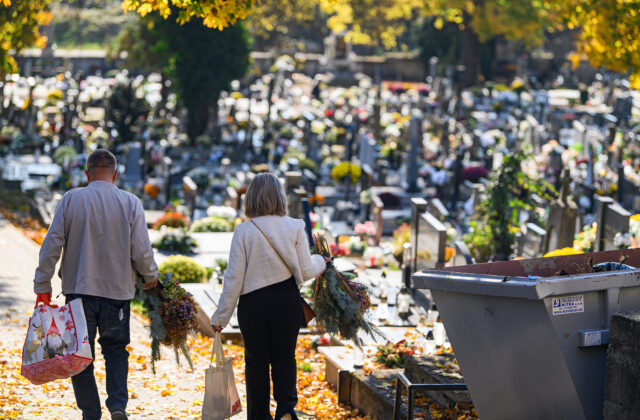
(206, 297)
(373, 394)
(338, 368)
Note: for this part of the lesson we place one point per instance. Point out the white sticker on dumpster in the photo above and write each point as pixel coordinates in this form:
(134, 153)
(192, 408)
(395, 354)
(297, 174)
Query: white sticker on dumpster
(568, 304)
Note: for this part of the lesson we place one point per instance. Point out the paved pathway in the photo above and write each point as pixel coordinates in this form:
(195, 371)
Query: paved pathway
(18, 262)
(173, 392)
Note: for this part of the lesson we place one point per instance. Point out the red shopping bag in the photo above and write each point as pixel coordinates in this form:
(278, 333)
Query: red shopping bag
(57, 343)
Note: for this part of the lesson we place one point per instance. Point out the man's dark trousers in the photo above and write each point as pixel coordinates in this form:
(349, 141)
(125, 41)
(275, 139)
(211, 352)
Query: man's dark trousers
(111, 318)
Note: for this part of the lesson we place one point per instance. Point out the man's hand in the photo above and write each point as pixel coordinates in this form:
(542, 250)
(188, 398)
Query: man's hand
(150, 284)
(216, 328)
(43, 298)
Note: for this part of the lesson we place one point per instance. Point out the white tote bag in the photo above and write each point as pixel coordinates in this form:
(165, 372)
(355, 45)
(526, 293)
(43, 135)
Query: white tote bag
(57, 343)
(221, 399)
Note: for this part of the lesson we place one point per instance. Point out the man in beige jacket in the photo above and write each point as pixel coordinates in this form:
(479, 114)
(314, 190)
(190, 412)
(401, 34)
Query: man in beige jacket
(102, 234)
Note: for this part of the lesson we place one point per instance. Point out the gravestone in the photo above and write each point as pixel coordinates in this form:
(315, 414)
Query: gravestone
(415, 151)
(438, 209)
(561, 223)
(534, 133)
(533, 241)
(133, 172)
(190, 190)
(418, 207)
(292, 182)
(463, 255)
(367, 150)
(612, 218)
(428, 237)
(580, 134)
(431, 238)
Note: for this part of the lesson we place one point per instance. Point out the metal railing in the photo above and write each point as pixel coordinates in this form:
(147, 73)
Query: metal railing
(402, 380)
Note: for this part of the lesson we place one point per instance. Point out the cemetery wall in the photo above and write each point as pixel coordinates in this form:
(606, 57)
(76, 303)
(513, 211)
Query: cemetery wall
(394, 66)
(623, 368)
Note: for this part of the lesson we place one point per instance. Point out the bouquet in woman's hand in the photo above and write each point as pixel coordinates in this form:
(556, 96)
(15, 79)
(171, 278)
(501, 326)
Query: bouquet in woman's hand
(172, 312)
(339, 302)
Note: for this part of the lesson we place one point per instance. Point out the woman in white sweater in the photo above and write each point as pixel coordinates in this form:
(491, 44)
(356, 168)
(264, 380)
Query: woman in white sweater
(265, 284)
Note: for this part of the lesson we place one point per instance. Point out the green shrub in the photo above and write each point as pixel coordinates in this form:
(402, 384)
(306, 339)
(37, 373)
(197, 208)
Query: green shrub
(184, 269)
(64, 155)
(212, 224)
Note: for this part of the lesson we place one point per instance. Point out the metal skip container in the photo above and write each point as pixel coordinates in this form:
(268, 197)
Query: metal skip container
(531, 335)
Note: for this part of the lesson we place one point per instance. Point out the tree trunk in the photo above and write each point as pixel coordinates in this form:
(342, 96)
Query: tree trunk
(470, 51)
(197, 122)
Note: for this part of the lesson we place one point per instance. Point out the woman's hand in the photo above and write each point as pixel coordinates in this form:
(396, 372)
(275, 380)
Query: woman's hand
(328, 259)
(216, 328)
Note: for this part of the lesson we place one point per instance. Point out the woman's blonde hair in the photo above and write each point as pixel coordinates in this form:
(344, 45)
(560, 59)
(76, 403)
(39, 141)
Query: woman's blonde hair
(265, 197)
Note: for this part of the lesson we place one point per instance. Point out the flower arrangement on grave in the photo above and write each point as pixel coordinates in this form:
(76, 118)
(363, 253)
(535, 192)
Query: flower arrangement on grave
(401, 236)
(222, 211)
(349, 245)
(449, 253)
(474, 173)
(339, 249)
(366, 229)
(184, 269)
(560, 252)
(151, 190)
(479, 239)
(623, 240)
(212, 224)
(346, 169)
(172, 315)
(316, 200)
(319, 341)
(392, 355)
(585, 241)
(339, 302)
(517, 85)
(175, 239)
(171, 219)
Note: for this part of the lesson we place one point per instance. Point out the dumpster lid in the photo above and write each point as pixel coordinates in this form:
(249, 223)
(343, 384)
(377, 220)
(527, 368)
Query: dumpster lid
(535, 278)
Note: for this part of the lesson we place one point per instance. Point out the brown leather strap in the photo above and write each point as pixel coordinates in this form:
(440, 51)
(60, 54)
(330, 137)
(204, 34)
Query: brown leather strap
(274, 248)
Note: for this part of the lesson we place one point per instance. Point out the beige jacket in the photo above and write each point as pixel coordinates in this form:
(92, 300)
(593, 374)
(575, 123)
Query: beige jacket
(102, 235)
(253, 264)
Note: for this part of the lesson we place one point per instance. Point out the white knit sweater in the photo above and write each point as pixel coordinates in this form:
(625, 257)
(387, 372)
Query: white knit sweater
(253, 264)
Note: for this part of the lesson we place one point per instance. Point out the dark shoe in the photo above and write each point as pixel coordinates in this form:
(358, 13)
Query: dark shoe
(119, 415)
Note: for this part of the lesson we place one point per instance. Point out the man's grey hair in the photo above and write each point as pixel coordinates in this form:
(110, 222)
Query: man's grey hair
(101, 158)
